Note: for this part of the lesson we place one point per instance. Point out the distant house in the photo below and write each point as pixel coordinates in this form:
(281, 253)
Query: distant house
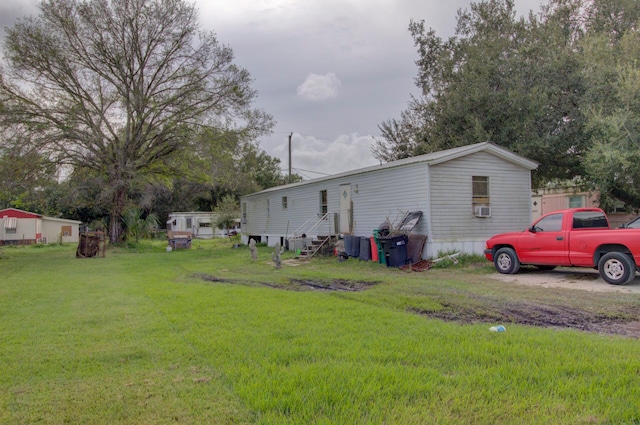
(466, 194)
(549, 199)
(202, 225)
(25, 228)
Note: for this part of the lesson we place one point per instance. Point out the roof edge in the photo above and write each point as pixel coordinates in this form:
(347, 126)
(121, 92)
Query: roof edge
(433, 158)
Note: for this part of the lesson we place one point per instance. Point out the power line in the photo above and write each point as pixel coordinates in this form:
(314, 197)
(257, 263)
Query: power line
(311, 171)
(302, 172)
(335, 141)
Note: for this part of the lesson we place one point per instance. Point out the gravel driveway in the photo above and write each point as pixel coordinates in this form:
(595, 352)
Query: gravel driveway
(571, 278)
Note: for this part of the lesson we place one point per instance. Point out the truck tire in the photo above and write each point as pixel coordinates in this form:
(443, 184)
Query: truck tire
(506, 261)
(616, 268)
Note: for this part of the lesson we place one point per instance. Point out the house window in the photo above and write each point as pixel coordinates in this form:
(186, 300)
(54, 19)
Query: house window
(323, 202)
(284, 202)
(576, 201)
(268, 208)
(189, 224)
(619, 207)
(66, 230)
(480, 185)
(10, 224)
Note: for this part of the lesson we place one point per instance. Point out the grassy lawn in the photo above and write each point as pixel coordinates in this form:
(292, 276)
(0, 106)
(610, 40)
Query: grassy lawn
(207, 336)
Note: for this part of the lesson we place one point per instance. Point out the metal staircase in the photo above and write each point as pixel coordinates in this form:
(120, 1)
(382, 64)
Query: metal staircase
(308, 228)
(315, 246)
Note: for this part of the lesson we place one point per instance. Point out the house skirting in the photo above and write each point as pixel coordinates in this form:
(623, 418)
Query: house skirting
(18, 242)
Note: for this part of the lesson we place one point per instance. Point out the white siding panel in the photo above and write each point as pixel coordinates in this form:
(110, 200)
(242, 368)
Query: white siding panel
(452, 215)
(389, 194)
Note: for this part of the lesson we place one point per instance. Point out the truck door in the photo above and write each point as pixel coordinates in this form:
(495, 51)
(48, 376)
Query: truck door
(546, 242)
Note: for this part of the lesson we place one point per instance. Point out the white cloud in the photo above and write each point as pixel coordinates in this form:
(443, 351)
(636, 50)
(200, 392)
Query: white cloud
(317, 88)
(313, 157)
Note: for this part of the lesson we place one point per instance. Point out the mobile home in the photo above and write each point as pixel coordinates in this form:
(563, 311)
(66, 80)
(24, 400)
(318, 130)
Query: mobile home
(466, 194)
(24, 228)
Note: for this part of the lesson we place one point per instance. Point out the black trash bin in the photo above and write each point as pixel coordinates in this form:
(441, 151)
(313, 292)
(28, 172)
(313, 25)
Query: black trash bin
(352, 245)
(348, 245)
(365, 249)
(395, 250)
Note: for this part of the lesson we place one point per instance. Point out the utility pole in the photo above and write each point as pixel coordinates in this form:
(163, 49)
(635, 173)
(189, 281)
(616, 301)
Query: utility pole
(290, 135)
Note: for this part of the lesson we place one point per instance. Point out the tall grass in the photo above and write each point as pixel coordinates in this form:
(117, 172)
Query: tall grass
(139, 337)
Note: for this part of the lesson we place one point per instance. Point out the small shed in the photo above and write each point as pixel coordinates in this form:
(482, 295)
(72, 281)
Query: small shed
(60, 230)
(24, 228)
(467, 194)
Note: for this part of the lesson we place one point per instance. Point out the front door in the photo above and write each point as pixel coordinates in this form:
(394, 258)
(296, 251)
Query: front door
(346, 212)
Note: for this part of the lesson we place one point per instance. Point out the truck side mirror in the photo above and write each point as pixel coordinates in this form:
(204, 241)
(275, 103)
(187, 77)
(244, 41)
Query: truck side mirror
(532, 229)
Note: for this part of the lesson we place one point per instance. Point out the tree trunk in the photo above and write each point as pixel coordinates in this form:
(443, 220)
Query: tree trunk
(115, 227)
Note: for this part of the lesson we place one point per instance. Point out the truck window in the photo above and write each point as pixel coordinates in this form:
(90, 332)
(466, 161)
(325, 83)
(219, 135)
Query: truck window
(590, 220)
(550, 223)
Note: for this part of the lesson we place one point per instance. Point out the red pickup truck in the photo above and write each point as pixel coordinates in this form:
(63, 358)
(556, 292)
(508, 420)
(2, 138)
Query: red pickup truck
(576, 237)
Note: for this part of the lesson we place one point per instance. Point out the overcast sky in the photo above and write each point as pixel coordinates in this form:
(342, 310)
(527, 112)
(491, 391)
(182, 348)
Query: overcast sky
(329, 71)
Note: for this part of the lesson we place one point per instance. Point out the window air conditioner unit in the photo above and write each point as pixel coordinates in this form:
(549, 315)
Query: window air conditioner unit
(483, 211)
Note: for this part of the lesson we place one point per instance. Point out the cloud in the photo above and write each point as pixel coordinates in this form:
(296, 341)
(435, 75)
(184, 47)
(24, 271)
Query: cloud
(313, 157)
(317, 88)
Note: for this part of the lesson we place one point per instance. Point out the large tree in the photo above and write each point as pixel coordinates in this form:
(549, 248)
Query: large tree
(513, 81)
(118, 87)
(610, 65)
(25, 174)
(561, 87)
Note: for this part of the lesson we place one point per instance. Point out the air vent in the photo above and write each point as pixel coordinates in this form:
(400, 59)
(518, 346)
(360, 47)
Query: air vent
(482, 211)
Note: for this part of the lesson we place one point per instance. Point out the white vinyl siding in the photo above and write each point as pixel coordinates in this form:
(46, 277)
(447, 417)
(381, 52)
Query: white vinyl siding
(452, 217)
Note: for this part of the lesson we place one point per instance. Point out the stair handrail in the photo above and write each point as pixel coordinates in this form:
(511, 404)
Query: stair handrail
(299, 230)
(315, 225)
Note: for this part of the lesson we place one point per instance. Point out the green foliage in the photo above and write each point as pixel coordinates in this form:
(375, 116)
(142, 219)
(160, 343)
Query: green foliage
(219, 163)
(229, 211)
(560, 87)
(25, 174)
(137, 227)
(612, 69)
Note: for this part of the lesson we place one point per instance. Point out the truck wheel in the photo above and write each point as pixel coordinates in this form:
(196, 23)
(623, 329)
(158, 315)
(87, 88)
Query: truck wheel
(616, 268)
(506, 261)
